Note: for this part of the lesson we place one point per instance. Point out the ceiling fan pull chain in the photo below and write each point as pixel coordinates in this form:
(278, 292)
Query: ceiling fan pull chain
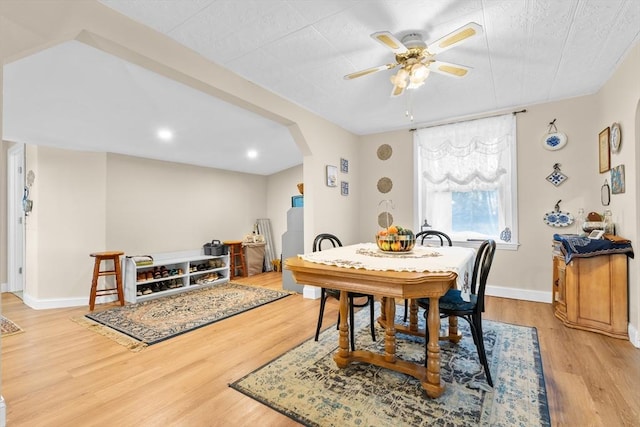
(409, 109)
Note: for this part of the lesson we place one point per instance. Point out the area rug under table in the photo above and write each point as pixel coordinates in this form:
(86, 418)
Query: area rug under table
(156, 320)
(306, 385)
(7, 327)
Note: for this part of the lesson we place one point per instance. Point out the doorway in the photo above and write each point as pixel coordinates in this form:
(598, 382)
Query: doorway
(16, 220)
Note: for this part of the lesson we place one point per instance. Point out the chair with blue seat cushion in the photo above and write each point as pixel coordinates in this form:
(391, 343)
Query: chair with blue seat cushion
(326, 293)
(429, 235)
(452, 304)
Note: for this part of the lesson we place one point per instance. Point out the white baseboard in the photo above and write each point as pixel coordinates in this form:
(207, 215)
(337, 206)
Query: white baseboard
(3, 412)
(4, 287)
(43, 304)
(311, 292)
(634, 336)
(521, 294)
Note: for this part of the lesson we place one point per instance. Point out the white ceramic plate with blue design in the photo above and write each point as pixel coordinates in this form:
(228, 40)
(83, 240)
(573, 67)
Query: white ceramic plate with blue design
(554, 141)
(558, 219)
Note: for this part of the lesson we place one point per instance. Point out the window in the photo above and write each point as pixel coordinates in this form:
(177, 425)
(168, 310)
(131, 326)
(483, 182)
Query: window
(466, 179)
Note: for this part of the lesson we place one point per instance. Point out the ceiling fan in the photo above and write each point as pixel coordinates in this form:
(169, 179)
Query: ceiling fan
(416, 59)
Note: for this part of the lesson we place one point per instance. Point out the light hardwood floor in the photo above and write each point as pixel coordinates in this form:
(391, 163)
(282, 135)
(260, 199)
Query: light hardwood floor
(58, 373)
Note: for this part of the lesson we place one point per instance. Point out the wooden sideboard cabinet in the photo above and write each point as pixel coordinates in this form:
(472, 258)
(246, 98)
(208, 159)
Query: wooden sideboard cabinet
(591, 293)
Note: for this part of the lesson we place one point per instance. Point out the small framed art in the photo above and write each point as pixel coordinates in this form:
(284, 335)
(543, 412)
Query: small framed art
(344, 188)
(332, 176)
(604, 150)
(617, 180)
(344, 165)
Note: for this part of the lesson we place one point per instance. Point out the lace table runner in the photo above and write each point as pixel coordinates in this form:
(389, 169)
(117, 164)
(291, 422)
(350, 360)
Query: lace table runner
(368, 256)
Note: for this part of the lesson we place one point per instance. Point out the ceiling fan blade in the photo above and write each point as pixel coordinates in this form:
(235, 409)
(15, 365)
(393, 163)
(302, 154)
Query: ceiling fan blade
(397, 90)
(449, 69)
(458, 36)
(369, 71)
(387, 39)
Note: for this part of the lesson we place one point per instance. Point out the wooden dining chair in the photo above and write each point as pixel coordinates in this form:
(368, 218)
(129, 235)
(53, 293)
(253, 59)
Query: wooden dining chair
(326, 293)
(452, 304)
(420, 238)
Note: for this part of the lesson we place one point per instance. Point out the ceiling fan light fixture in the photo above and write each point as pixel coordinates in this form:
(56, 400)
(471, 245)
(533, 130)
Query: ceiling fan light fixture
(419, 72)
(400, 78)
(397, 81)
(415, 60)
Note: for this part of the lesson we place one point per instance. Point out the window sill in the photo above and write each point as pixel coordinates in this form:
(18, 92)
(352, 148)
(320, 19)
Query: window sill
(506, 246)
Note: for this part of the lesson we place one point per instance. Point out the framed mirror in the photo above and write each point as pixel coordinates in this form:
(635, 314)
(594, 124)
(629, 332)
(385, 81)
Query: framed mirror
(605, 194)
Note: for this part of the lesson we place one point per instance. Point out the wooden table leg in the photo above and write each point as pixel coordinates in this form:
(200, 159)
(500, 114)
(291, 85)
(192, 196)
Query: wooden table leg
(433, 386)
(383, 311)
(343, 356)
(413, 315)
(390, 331)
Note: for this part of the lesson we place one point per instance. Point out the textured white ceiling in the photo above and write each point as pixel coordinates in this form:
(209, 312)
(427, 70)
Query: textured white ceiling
(531, 51)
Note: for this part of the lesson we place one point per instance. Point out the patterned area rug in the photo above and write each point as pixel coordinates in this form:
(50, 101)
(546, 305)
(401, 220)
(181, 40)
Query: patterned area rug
(153, 321)
(306, 385)
(8, 327)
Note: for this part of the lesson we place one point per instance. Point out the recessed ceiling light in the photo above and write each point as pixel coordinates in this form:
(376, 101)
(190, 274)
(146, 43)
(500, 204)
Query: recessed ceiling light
(252, 154)
(165, 134)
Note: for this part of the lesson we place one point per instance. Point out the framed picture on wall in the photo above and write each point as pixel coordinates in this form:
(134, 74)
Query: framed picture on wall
(332, 176)
(604, 150)
(617, 180)
(344, 165)
(344, 188)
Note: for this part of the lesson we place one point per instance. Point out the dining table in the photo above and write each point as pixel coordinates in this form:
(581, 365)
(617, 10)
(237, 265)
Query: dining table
(423, 272)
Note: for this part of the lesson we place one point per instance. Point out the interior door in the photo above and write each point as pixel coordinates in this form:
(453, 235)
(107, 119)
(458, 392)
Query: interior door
(16, 219)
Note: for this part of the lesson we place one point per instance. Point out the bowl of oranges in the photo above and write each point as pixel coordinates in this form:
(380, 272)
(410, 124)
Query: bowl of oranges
(395, 239)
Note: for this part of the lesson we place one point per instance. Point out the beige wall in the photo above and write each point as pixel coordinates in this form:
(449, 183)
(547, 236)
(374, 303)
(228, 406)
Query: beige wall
(280, 188)
(154, 206)
(619, 101)
(66, 224)
(399, 168)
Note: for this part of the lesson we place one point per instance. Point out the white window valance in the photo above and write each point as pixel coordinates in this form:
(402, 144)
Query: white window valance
(466, 156)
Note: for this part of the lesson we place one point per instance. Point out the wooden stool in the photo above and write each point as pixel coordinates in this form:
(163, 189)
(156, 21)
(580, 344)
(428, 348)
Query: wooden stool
(106, 256)
(236, 259)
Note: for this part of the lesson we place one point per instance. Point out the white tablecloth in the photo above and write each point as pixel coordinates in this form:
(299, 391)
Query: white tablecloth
(421, 259)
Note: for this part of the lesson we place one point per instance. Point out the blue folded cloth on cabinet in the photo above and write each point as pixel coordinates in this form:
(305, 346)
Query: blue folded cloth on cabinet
(573, 246)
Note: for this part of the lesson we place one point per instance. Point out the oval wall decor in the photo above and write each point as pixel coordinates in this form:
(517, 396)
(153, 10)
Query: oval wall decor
(385, 219)
(385, 184)
(554, 141)
(384, 151)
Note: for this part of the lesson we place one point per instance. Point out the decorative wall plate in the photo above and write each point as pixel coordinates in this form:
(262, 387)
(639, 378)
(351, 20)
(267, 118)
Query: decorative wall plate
(556, 177)
(554, 141)
(385, 219)
(615, 137)
(558, 219)
(384, 152)
(384, 185)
